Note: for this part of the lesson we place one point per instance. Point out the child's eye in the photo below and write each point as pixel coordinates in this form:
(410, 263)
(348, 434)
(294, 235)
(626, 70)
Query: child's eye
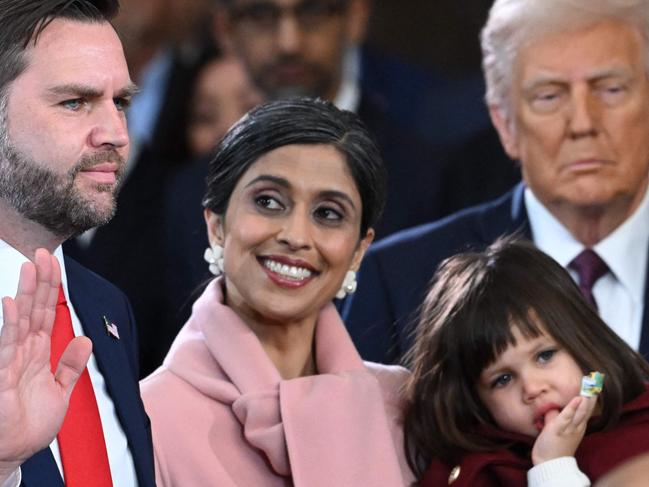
(501, 381)
(546, 355)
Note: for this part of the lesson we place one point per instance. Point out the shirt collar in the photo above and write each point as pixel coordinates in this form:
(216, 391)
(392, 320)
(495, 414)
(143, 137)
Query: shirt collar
(11, 261)
(147, 103)
(348, 96)
(624, 250)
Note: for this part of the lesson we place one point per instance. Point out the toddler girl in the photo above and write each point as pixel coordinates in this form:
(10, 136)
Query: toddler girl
(494, 399)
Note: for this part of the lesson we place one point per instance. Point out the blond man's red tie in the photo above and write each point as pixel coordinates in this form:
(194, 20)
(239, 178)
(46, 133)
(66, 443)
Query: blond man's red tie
(81, 438)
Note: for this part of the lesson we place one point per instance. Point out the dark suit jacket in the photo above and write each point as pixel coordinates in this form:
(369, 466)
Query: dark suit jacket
(93, 298)
(396, 272)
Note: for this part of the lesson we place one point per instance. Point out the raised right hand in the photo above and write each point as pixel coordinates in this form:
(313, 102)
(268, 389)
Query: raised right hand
(33, 401)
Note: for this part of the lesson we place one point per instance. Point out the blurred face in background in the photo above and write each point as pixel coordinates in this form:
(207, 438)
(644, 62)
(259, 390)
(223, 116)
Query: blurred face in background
(293, 47)
(146, 26)
(222, 95)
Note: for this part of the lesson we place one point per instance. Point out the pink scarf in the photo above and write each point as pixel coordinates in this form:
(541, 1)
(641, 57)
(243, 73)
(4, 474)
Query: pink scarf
(321, 430)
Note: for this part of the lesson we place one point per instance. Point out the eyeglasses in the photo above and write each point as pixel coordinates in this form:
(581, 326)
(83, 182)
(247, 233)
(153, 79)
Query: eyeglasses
(266, 15)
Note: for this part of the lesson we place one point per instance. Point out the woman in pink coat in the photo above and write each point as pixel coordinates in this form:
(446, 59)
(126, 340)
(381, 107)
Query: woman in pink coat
(263, 386)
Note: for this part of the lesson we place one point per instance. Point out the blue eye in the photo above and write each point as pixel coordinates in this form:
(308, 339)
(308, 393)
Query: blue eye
(546, 355)
(73, 104)
(501, 381)
(122, 103)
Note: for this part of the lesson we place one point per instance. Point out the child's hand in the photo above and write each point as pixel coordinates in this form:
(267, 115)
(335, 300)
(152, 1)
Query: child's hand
(563, 431)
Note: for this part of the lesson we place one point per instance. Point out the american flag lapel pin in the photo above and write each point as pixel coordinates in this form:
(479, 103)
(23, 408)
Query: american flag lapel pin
(111, 328)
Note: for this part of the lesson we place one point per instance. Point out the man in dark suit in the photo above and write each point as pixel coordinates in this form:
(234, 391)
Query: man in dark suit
(311, 48)
(63, 143)
(570, 101)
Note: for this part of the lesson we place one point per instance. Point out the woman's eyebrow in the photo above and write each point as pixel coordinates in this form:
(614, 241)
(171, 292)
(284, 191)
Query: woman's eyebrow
(272, 179)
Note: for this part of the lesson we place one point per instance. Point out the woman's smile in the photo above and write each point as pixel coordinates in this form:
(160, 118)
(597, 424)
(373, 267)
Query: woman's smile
(287, 272)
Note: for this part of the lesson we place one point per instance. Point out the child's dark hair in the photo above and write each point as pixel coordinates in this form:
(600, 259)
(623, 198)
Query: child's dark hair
(465, 323)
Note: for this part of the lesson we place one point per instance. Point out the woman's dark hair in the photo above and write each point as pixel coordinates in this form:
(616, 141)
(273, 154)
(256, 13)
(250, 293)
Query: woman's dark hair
(298, 121)
(466, 323)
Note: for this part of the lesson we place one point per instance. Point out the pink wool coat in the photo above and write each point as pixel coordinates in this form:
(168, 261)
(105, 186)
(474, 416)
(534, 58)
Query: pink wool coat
(222, 415)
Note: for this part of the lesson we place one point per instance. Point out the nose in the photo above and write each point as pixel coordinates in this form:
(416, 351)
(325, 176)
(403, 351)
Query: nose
(582, 114)
(295, 231)
(289, 34)
(109, 127)
(533, 385)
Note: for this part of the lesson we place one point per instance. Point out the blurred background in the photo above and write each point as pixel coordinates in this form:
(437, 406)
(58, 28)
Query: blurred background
(409, 69)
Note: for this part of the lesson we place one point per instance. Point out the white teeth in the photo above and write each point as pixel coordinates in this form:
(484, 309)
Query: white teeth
(292, 272)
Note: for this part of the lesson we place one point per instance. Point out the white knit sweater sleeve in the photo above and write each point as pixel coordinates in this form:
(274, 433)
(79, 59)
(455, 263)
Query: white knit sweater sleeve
(558, 472)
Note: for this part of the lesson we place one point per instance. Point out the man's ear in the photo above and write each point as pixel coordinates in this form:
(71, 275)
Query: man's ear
(505, 129)
(357, 18)
(363, 245)
(214, 224)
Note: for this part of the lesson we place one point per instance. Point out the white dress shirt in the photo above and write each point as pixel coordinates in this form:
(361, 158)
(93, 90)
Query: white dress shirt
(349, 92)
(120, 459)
(620, 292)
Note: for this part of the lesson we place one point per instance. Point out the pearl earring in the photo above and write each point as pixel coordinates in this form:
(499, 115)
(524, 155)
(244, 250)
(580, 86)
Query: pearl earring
(349, 285)
(214, 257)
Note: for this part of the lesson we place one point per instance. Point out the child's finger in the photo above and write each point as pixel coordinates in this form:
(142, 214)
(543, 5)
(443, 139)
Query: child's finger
(584, 411)
(564, 420)
(551, 416)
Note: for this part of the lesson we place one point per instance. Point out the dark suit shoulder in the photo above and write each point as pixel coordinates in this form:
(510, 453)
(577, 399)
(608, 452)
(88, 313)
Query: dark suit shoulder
(93, 297)
(91, 281)
(396, 272)
(479, 224)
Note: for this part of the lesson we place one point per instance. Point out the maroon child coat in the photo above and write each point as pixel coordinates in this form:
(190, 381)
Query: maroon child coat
(598, 453)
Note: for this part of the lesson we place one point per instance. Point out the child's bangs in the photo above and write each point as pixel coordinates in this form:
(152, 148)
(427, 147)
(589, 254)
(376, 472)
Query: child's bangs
(489, 332)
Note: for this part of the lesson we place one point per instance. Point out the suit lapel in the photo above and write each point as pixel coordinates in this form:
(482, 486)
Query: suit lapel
(41, 471)
(112, 358)
(506, 216)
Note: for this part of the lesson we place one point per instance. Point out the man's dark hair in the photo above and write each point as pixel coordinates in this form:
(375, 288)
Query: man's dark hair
(298, 121)
(22, 21)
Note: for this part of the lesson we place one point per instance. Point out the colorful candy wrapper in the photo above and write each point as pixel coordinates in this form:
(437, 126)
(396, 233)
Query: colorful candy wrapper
(592, 384)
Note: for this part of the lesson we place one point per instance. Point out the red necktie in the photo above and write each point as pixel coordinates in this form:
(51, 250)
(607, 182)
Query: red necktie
(81, 439)
(589, 267)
